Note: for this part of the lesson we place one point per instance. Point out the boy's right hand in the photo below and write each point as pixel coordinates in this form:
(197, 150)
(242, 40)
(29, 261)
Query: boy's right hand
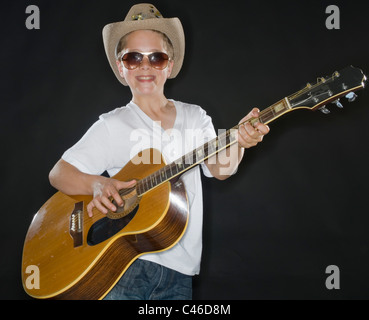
(106, 188)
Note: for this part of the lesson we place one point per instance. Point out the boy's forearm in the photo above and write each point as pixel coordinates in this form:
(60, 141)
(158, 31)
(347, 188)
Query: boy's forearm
(226, 162)
(69, 180)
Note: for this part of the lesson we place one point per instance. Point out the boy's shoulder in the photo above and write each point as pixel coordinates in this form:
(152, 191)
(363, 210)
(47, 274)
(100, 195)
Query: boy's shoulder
(117, 112)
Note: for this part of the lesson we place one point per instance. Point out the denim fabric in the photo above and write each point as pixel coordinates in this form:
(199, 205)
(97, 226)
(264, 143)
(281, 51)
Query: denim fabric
(145, 280)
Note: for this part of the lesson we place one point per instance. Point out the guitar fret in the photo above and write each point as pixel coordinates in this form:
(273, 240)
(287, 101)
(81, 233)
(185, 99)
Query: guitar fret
(211, 147)
(187, 159)
(147, 184)
(168, 172)
(205, 150)
(172, 169)
(199, 154)
(140, 187)
(158, 177)
(193, 157)
(219, 144)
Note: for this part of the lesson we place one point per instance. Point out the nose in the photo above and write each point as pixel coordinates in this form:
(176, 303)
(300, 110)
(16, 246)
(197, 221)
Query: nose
(145, 63)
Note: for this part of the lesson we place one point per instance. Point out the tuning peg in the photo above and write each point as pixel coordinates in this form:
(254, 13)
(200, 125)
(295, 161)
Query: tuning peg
(351, 96)
(324, 110)
(338, 103)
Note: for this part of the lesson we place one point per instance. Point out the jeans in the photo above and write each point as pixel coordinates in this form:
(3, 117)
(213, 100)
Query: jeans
(145, 280)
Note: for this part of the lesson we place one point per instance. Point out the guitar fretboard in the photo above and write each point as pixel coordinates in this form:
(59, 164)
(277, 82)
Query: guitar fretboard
(208, 149)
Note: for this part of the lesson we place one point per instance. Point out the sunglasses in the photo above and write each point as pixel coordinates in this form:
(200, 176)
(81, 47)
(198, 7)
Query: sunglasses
(158, 60)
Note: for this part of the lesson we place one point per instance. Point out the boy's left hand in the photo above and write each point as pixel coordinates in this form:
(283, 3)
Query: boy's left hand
(248, 135)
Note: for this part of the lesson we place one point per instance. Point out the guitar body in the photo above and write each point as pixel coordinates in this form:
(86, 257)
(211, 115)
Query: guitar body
(79, 257)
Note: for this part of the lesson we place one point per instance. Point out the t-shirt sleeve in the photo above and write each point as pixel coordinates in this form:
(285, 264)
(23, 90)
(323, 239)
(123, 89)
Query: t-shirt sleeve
(91, 153)
(206, 124)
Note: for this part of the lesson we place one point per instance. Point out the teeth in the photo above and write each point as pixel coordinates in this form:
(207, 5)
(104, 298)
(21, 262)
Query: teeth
(145, 77)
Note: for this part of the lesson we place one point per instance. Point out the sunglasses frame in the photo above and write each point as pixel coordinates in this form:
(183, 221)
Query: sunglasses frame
(143, 54)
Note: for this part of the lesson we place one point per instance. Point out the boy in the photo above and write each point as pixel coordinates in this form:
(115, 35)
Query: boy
(144, 51)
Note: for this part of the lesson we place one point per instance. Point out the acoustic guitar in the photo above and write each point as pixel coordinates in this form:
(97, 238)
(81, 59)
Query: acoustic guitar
(69, 255)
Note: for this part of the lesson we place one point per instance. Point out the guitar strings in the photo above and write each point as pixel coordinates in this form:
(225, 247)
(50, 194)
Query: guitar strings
(308, 88)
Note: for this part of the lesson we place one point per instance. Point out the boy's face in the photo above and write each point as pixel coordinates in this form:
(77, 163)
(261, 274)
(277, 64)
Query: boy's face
(145, 80)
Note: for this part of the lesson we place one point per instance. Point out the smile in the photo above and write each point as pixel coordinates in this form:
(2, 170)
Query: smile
(145, 78)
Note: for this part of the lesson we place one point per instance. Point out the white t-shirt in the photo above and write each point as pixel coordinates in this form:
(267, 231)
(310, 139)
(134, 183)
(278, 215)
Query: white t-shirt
(120, 134)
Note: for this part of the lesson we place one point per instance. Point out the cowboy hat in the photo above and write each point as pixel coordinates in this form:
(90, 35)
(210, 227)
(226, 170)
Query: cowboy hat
(144, 16)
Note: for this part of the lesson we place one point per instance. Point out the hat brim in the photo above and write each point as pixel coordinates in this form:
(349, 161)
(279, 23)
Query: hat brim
(171, 27)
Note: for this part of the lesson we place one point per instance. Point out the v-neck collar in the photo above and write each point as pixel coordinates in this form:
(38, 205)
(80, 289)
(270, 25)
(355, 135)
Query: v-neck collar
(150, 122)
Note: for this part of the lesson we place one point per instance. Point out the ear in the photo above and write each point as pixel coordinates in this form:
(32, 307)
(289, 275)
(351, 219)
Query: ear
(170, 68)
(120, 68)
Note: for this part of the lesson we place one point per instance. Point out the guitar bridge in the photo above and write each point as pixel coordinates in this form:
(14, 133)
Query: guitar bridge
(76, 224)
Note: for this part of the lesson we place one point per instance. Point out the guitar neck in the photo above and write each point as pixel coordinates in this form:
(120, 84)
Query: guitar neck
(209, 149)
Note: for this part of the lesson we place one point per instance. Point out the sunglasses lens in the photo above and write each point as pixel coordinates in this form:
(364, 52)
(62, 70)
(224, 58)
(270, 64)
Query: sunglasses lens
(132, 60)
(158, 60)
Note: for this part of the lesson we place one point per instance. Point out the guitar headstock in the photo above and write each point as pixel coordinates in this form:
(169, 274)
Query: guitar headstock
(329, 90)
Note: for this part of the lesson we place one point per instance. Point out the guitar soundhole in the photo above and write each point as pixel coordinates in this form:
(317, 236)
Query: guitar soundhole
(105, 228)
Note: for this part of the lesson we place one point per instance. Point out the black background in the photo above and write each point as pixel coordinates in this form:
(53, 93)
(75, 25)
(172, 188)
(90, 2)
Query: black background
(298, 201)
